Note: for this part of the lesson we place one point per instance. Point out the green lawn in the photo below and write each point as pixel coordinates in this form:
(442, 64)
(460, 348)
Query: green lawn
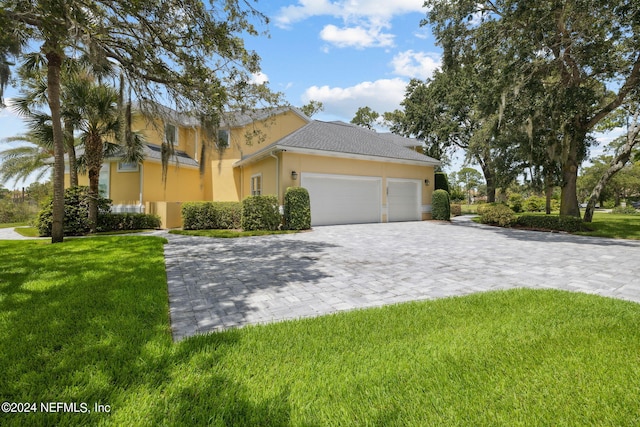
(87, 322)
(12, 224)
(614, 226)
(230, 233)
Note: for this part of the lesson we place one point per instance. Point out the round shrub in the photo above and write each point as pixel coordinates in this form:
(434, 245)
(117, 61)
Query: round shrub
(76, 212)
(260, 213)
(515, 202)
(497, 214)
(441, 209)
(297, 209)
(535, 204)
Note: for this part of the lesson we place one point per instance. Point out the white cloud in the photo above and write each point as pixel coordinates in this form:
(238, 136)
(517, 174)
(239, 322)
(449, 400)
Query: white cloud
(8, 111)
(381, 95)
(259, 78)
(348, 10)
(364, 20)
(416, 64)
(358, 37)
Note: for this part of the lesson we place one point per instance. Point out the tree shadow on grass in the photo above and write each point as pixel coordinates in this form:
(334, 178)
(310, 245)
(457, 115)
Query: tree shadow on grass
(86, 322)
(215, 284)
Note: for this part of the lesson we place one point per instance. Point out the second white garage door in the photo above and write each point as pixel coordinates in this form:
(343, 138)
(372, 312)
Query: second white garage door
(403, 200)
(341, 199)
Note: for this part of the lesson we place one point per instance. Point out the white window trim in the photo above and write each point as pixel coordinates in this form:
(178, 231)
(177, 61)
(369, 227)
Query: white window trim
(120, 169)
(252, 190)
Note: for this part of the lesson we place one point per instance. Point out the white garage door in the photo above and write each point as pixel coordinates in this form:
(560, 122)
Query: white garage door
(403, 200)
(340, 199)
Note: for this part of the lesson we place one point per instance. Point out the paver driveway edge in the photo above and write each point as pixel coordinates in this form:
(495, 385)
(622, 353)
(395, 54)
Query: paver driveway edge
(216, 284)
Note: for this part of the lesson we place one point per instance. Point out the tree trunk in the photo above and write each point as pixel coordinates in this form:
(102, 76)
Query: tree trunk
(491, 184)
(71, 152)
(615, 166)
(54, 62)
(548, 191)
(569, 196)
(94, 192)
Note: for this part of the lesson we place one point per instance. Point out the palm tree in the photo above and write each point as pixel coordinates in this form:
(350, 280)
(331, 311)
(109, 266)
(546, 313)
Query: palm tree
(100, 121)
(19, 163)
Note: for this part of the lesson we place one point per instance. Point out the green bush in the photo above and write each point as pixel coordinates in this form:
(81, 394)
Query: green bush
(441, 208)
(211, 215)
(456, 209)
(260, 213)
(535, 204)
(497, 214)
(441, 182)
(569, 224)
(297, 209)
(15, 212)
(127, 221)
(515, 202)
(627, 210)
(76, 212)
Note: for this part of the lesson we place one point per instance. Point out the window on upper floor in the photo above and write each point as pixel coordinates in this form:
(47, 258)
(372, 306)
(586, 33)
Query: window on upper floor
(171, 134)
(223, 138)
(128, 167)
(256, 185)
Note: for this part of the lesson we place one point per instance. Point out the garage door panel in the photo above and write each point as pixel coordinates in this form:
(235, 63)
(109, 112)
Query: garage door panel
(403, 200)
(343, 199)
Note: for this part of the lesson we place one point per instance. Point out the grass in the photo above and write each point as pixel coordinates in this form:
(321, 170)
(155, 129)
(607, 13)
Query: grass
(230, 233)
(27, 231)
(614, 226)
(87, 321)
(13, 224)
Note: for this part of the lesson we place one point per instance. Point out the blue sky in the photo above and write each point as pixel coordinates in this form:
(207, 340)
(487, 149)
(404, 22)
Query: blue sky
(346, 54)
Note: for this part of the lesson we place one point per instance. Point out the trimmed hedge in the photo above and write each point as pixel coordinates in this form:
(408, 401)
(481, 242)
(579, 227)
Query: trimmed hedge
(570, 224)
(441, 208)
(76, 213)
(441, 182)
(297, 209)
(496, 214)
(260, 213)
(211, 215)
(127, 221)
(456, 209)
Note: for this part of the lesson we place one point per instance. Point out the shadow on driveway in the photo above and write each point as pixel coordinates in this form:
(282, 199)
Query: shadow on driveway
(215, 284)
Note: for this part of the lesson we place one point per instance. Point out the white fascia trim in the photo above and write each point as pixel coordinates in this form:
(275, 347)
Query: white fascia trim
(258, 156)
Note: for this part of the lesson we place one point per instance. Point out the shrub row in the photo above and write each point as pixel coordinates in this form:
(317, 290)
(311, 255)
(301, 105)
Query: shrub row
(76, 216)
(569, 224)
(253, 213)
(211, 215)
(456, 209)
(127, 221)
(627, 210)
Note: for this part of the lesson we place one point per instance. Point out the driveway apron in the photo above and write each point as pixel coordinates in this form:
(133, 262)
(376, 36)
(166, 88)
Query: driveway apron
(216, 284)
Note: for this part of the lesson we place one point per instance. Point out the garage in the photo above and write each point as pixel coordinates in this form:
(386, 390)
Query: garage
(403, 200)
(343, 199)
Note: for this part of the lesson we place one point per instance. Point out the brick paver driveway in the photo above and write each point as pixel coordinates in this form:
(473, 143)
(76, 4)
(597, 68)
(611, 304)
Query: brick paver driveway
(216, 284)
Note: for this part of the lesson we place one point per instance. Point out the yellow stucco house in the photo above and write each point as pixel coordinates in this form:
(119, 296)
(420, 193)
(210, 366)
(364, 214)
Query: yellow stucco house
(353, 175)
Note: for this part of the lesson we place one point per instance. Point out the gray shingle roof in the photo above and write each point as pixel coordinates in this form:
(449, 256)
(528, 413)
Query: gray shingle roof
(340, 137)
(400, 140)
(152, 152)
